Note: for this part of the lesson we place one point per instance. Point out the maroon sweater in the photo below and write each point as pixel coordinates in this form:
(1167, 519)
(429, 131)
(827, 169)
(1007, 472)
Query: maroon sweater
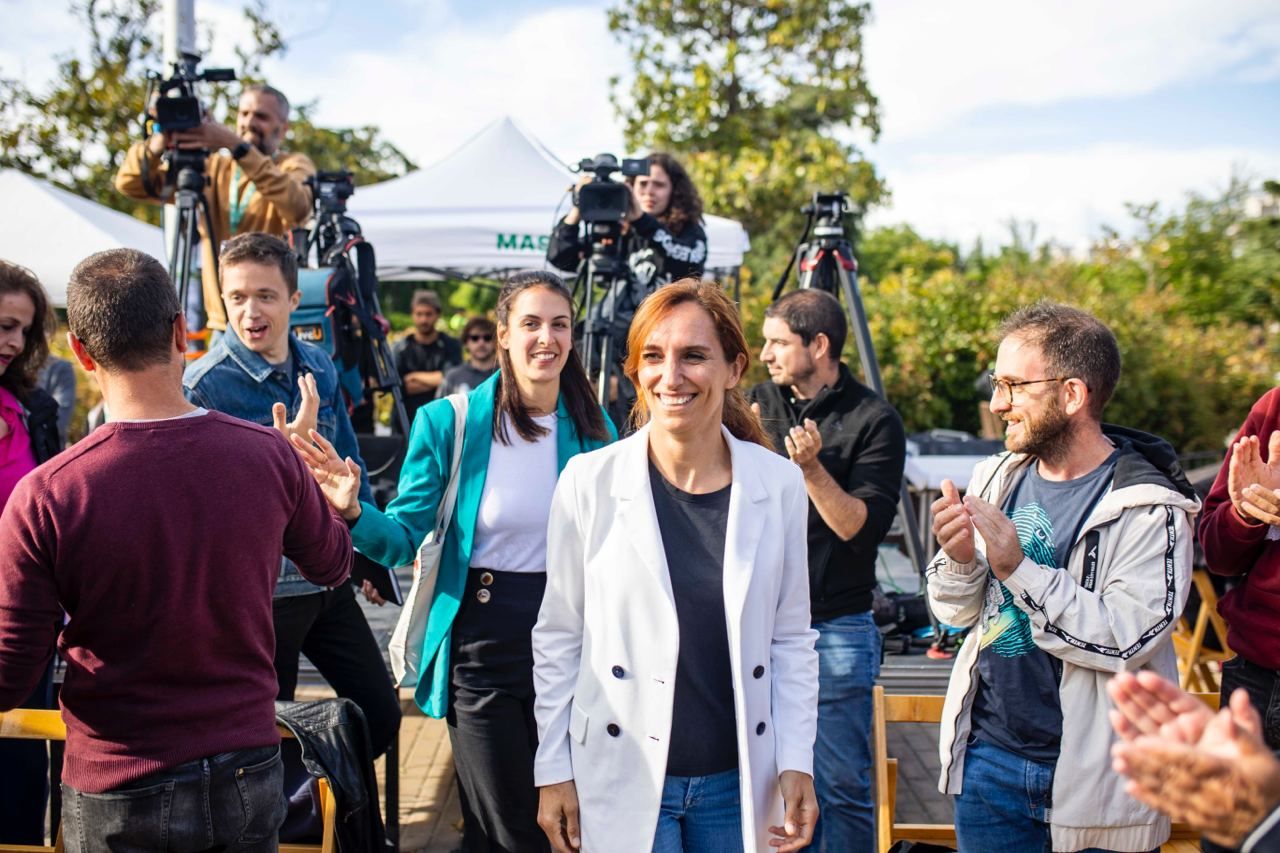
(162, 543)
(1233, 546)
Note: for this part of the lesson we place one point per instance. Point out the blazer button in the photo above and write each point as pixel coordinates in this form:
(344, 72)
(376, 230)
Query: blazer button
(758, 672)
(613, 730)
(760, 729)
(618, 672)
(483, 596)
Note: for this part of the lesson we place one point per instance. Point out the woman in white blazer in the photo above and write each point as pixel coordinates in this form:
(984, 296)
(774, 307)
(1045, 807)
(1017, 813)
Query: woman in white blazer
(676, 679)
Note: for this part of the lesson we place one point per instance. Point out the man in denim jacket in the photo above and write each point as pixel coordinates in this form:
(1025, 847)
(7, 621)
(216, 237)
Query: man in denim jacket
(260, 372)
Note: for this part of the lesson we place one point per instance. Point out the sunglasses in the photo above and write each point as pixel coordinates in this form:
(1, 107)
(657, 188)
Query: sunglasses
(479, 337)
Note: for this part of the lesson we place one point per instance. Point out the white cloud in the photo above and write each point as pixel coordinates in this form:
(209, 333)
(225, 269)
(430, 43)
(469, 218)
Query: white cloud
(1068, 195)
(432, 88)
(932, 63)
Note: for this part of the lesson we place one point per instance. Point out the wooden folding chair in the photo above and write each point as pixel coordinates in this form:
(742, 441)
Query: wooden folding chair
(27, 724)
(928, 709)
(1195, 672)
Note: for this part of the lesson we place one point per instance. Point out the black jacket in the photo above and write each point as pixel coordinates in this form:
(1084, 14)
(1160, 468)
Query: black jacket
(655, 255)
(42, 425)
(335, 745)
(864, 450)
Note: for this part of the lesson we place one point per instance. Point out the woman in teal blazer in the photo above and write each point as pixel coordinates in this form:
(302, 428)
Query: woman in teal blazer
(522, 426)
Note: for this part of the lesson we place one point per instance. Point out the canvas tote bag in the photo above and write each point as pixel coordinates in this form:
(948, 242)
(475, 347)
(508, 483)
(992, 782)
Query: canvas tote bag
(406, 640)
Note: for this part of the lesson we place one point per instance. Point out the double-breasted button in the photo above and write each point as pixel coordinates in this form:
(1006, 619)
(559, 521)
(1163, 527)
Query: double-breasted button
(483, 596)
(760, 729)
(613, 730)
(618, 672)
(758, 672)
(486, 578)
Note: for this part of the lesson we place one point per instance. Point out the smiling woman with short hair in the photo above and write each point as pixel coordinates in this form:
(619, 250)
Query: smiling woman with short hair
(673, 659)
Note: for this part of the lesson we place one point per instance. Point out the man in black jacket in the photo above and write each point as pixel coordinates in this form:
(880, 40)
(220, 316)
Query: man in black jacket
(850, 445)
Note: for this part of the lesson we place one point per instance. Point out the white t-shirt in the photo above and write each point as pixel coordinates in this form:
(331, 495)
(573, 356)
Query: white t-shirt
(511, 527)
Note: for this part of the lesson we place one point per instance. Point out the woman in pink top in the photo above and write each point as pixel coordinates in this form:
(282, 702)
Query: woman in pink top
(28, 436)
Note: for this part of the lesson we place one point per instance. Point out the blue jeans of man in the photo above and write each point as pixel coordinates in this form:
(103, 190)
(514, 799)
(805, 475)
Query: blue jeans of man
(848, 665)
(229, 801)
(1005, 801)
(700, 814)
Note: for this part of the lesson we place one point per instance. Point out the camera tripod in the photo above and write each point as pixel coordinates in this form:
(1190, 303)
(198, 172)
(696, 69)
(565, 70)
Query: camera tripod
(190, 204)
(353, 290)
(827, 263)
(603, 267)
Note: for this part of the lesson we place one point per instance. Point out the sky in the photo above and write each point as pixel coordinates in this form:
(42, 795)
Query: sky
(1053, 113)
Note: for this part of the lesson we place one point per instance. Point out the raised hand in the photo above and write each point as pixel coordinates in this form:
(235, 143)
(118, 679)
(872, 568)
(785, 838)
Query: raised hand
(1247, 469)
(803, 443)
(999, 536)
(339, 478)
(952, 526)
(308, 409)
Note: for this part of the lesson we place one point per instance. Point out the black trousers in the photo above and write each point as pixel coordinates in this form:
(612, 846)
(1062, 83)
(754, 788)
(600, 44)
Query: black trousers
(330, 630)
(491, 725)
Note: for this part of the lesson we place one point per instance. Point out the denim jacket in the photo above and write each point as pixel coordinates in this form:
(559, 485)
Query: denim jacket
(235, 380)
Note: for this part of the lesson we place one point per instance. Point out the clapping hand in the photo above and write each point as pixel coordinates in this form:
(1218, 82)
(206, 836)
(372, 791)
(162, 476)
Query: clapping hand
(952, 525)
(1210, 770)
(999, 536)
(1252, 483)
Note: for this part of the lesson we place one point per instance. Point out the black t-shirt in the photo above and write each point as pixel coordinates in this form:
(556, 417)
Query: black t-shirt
(411, 357)
(704, 737)
(1016, 706)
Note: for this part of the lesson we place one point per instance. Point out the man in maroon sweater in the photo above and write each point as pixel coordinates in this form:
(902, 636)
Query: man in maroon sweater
(166, 583)
(1240, 534)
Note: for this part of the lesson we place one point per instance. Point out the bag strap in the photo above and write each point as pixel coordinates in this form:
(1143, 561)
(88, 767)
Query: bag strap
(445, 513)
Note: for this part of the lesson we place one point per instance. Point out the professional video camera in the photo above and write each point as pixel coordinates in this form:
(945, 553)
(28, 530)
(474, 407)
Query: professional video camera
(331, 226)
(604, 199)
(603, 206)
(177, 108)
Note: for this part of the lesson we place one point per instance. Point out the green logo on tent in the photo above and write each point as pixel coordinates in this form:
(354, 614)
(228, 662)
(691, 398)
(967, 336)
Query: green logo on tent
(523, 242)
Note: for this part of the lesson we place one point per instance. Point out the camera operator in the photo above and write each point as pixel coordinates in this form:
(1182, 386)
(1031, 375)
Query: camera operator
(252, 186)
(664, 239)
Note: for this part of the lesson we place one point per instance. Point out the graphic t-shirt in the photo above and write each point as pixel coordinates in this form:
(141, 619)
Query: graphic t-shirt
(1016, 706)
(411, 357)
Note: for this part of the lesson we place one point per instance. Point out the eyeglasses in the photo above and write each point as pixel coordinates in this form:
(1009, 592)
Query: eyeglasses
(479, 337)
(1005, 388)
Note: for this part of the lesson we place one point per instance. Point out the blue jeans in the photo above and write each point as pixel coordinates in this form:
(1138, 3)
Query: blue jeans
(700, 814)
(848, 665)
(1004, 802)
(230, 801)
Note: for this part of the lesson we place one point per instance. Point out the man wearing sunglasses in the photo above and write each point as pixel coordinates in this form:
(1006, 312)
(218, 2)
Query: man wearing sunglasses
(1070, 558)
(479, 337)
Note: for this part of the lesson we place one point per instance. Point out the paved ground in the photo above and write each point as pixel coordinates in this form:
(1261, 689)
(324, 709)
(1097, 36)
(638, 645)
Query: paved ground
(429, 812)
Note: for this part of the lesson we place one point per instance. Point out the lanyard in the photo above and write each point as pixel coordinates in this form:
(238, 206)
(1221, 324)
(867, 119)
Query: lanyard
(238, 203)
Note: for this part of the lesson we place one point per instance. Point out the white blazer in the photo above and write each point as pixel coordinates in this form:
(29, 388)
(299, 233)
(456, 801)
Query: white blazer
(606, 643)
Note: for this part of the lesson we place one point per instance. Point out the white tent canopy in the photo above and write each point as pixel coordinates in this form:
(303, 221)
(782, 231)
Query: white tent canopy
(49, 230)
(489, 206)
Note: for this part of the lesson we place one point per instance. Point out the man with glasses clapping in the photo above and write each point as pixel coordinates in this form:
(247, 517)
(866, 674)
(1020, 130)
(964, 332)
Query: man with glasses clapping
(1070, 558)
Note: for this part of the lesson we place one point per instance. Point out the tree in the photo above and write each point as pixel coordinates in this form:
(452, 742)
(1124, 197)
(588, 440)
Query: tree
(760, 97)
(76, 133)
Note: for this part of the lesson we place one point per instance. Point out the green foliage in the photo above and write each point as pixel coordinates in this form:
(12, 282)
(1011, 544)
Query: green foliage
(76, 133)
(758, 97)
(934, 324)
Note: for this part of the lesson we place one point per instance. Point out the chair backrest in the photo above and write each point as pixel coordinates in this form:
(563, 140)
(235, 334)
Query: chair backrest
(893, 708)
(30, 724)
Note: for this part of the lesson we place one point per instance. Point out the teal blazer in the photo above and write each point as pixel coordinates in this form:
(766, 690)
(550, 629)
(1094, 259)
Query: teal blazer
(392, 537)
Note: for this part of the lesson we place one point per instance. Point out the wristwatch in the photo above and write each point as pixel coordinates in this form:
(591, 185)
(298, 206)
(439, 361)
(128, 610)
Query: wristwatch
(240, 150)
